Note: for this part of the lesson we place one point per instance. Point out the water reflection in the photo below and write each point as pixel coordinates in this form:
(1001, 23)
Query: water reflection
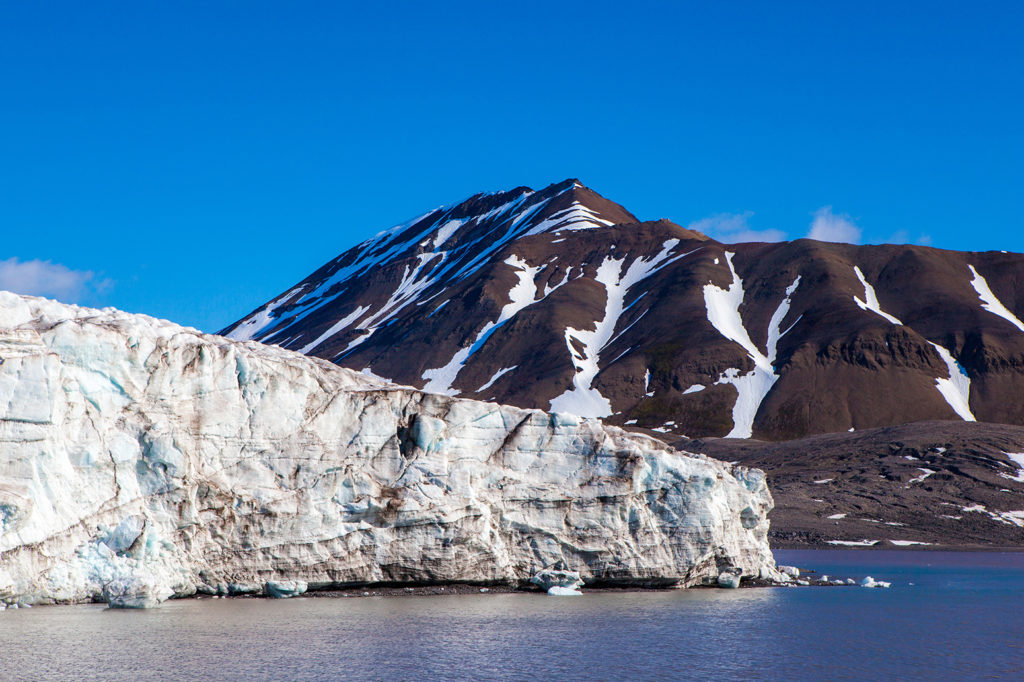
(930, 629)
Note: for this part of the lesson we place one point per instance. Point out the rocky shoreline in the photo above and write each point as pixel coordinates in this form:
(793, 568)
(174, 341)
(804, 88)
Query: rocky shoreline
(924, 486)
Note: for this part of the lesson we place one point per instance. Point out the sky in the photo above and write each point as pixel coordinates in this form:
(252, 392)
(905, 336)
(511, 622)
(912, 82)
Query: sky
(193, 160)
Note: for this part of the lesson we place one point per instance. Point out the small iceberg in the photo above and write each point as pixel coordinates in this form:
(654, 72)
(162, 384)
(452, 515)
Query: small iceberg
(729, 579)
(135, 593)
(558, 583)
(871, 582)
(283, 589)
(559, 591)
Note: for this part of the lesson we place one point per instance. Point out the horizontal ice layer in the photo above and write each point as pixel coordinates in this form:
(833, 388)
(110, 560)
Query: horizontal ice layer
(140, 459)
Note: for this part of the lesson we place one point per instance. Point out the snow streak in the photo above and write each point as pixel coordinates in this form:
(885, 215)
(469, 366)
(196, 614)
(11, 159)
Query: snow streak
(723, 307)
(497, 375)
(582, 399)
(870, 301)
(423, 238)
(957, 388)
(989, 301)
(522, 295)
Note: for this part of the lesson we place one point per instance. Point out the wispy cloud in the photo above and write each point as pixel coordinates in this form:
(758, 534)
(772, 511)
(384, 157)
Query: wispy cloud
(903, 237)
(53, 280)
(733, 228)
(830, 227)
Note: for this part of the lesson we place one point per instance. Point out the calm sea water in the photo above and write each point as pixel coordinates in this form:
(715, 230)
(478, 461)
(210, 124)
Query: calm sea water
(947, 616)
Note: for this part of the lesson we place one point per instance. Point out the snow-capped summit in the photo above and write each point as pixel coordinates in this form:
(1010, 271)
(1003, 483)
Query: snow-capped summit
(563, 300)
(450, 243)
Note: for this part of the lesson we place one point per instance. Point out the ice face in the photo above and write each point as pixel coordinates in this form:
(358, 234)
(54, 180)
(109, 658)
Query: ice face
(140, 459)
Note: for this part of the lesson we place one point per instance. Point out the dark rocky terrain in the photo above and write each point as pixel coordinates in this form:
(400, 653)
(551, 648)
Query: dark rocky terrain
(563, 300)
(879, 481)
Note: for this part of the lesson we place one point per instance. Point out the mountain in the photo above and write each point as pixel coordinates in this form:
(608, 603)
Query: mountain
(140, 460)
(563, 300)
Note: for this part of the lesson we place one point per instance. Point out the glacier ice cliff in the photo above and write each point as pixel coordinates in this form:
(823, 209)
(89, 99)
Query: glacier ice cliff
(140, 460)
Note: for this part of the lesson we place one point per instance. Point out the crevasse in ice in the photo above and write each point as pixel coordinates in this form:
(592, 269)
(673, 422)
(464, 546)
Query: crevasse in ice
(140, 459)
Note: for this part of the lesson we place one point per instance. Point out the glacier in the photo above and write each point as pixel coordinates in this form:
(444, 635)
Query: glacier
(141, 460)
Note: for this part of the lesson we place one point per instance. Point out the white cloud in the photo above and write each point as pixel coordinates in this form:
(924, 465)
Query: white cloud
(53, 280)
(734, 228)
(829, 227)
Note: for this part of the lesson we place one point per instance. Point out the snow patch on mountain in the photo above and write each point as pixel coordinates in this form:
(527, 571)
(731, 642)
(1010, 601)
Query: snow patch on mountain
(576, 217)
(957, 388)
(582, 398)
(723, 309)
(336, 328)
(494, 377)
(870, 301)
(990, 302)
(445, 232)
(1018, 459)
(252, 326)
(521, 295)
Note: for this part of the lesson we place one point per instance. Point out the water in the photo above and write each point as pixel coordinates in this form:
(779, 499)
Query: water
(963, 618)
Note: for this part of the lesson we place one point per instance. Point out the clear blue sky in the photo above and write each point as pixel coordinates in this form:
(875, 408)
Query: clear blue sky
(199, 158)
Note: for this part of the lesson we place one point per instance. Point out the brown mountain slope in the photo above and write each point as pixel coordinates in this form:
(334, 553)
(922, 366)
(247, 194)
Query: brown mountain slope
(563, 300)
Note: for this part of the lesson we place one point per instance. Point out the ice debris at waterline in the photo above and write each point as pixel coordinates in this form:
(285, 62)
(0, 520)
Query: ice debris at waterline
(871, 582)
(729, 579)
(282, 589)
(140, 459)
(558, 583)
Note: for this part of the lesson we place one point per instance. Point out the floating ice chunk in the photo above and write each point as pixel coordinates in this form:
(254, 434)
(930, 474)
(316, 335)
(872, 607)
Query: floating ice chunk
(871, 582)
(729, 579)
(135, 593)
(803, 583)
(989, 301)
(870, 301)
(282, 589)
(791, 571)
(550, 577)
(559, 591)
